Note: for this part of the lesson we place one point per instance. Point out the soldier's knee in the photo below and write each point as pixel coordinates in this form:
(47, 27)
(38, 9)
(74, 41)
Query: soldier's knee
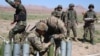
(14, 31)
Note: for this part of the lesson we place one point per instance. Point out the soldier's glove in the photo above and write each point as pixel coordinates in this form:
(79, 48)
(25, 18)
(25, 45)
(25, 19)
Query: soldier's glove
(55, 36)
(68, 38)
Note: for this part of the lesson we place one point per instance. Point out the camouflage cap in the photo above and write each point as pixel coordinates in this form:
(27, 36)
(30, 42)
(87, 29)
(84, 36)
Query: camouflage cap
(91, 6)
(71, 5)
(17, 1)
(41, 26)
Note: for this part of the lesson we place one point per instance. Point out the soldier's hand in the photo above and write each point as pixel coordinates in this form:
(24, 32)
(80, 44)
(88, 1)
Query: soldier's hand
(55, 36)
(12, 23)
(67, 39)
(46, 45)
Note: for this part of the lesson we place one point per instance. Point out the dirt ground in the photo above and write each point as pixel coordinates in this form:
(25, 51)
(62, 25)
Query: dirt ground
(78, 48)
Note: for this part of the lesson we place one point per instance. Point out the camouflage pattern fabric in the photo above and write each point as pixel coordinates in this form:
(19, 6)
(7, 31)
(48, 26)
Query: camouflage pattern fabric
(89, 25)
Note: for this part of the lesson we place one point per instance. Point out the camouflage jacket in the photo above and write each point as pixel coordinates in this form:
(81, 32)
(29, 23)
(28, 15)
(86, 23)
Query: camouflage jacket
(90, 14)
(36, 41)
(20, 13)
(71, 16)
(56, 28)
(57, 13)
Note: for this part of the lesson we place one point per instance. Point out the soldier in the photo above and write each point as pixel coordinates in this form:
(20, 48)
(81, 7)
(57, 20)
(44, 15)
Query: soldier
(54, 12)
(36, 39)
(57, 12)
(54, 29)
(63, 17)
(89, 23)
(71, 21)
(19, 18)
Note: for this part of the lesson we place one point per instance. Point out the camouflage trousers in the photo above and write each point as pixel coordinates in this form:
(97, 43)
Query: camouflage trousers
(73, 27)
(91, 29)
(18, 29)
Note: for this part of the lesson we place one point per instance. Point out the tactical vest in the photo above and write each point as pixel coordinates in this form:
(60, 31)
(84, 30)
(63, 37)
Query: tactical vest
(71, 15)
(90, 14)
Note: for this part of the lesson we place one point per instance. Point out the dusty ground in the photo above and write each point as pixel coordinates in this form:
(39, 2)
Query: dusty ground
(78, 48)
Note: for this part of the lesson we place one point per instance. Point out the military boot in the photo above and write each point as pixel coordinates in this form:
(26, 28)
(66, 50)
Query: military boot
(92, 42)
(75, 39)
(84, 40)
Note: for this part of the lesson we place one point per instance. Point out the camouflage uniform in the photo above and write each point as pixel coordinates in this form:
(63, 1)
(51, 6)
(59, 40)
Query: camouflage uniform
(71, 19)
(57, 13)
(89, 25)
(56, 29)
(36, 43)
(63, 17)
(36, 39)
(19, 18)
(54, 12)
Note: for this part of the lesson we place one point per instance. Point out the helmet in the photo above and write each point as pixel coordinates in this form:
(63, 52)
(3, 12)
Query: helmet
(17, 1)
(59, 6)
(41, 26)
(91, 6)
(71, 5)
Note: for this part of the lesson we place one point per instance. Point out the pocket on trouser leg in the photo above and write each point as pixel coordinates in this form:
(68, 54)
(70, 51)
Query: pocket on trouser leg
(11, 35)
(17, 38)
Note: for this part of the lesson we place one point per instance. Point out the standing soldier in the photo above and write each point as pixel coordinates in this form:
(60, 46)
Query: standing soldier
(63, 17)
(89, 18)
(57, 12)
(19, 18)
(54, 28)
(54, 12)
(71, 21)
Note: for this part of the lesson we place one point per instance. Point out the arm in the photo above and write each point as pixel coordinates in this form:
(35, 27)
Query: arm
(95, 17)
(76, 18)
(40, 46)
(62, 29)
(11, 3)
(84, 16)
(53, 13)
(66, 17)
(63, 17)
